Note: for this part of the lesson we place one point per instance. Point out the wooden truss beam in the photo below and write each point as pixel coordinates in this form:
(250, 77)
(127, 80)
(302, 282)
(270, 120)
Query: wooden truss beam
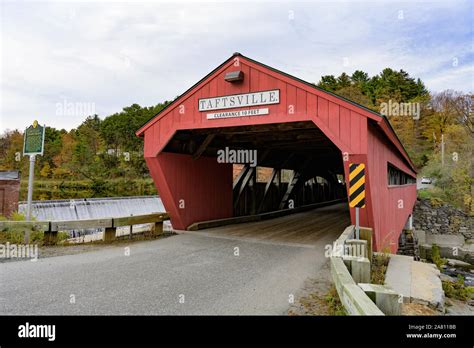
(203, 146)
(298, 174)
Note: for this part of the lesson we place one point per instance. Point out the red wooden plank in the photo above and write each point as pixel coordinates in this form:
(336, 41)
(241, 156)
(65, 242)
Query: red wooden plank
(323, 112)
(333, 112)
(291, 100)
(301, 102)
(312, 106)
(355, 132)
(254, 79)
(345, 125)
(213, 92)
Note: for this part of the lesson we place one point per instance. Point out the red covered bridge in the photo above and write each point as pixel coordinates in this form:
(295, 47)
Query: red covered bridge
(304, 136)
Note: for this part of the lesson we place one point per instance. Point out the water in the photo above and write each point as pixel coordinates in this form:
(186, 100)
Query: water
(454, 272)
(96, 208)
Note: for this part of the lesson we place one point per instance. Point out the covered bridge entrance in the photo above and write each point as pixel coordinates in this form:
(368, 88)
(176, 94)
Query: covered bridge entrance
(248, 139)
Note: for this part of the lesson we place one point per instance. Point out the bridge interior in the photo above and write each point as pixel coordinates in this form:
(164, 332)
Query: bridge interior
(297, 164)
(305, 228)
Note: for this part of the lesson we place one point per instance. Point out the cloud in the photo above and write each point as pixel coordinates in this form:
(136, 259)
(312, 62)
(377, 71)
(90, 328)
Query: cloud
(113, 54)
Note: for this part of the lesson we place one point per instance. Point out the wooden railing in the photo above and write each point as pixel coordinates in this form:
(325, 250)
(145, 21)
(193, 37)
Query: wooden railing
(51, 228)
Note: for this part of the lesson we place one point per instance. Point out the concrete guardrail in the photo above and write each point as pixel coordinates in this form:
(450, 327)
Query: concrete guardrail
(350, 271)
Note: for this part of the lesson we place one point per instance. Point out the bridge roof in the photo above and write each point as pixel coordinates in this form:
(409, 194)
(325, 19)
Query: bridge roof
(379, 119)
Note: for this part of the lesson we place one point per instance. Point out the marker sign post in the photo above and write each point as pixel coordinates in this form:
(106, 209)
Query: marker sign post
(357, 190)
(33, 145)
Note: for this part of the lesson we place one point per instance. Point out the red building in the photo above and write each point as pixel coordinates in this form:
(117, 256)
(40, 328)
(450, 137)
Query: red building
(9, 192)
(291, 124)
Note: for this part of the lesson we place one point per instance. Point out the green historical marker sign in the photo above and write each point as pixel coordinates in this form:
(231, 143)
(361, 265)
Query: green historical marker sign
(33, 145)
(34, 140)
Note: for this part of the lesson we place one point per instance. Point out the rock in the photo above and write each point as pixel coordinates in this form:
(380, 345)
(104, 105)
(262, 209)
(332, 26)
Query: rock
(458, 263)
(426, 285)
(446, 278)
(442, 220)
(458, 307)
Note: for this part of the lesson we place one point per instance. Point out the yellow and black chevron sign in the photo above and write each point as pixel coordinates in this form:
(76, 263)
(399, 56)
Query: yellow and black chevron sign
(357, 185)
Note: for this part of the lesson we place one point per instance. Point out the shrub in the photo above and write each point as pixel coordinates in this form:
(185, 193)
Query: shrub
(334, 303)
(457, 290)
(436, 258)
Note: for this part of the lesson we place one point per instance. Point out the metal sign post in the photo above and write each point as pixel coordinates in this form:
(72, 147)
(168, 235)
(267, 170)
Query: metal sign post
(357, 191)
(357, 223)
(33, 144)
(30, 187)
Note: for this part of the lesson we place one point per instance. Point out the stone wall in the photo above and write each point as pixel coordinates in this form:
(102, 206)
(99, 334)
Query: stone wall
(442, 220)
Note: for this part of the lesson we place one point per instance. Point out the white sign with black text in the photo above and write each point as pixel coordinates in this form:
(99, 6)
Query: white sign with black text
(239, 113)
(240, 100)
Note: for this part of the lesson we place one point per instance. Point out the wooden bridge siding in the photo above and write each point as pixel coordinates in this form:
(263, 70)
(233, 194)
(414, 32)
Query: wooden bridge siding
(365, 214)
(345, 127)
(303, 228)
(204, 185)
(388, 218)
(343, 124)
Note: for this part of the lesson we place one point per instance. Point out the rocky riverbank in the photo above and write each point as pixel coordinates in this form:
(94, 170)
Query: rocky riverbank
(442, 219)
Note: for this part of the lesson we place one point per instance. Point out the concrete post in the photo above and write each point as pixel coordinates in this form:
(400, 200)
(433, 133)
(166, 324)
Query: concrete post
(360, 270)
(409, 223)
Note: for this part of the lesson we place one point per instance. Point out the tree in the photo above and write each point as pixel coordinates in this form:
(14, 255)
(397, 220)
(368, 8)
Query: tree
(11, 152)
(88, 146)
(455, 177)
(359, 77)
(355, 94)
(118, 132)
(63, 160)
(45, 171)
(328, 82)
(343, 81)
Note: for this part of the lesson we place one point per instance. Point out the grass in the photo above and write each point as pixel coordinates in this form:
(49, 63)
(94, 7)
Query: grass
(319, 302)
(333, 302)
(379, 268)
(457, 290)
(17, 236)
(435, 195)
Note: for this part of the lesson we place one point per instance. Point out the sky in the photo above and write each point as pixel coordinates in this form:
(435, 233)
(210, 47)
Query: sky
(61, 60)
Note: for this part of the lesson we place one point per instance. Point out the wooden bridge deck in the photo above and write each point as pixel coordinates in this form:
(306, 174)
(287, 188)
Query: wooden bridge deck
(300, 228)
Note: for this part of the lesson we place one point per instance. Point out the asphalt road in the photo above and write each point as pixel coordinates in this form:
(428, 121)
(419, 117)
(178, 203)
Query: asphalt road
(158, 275)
